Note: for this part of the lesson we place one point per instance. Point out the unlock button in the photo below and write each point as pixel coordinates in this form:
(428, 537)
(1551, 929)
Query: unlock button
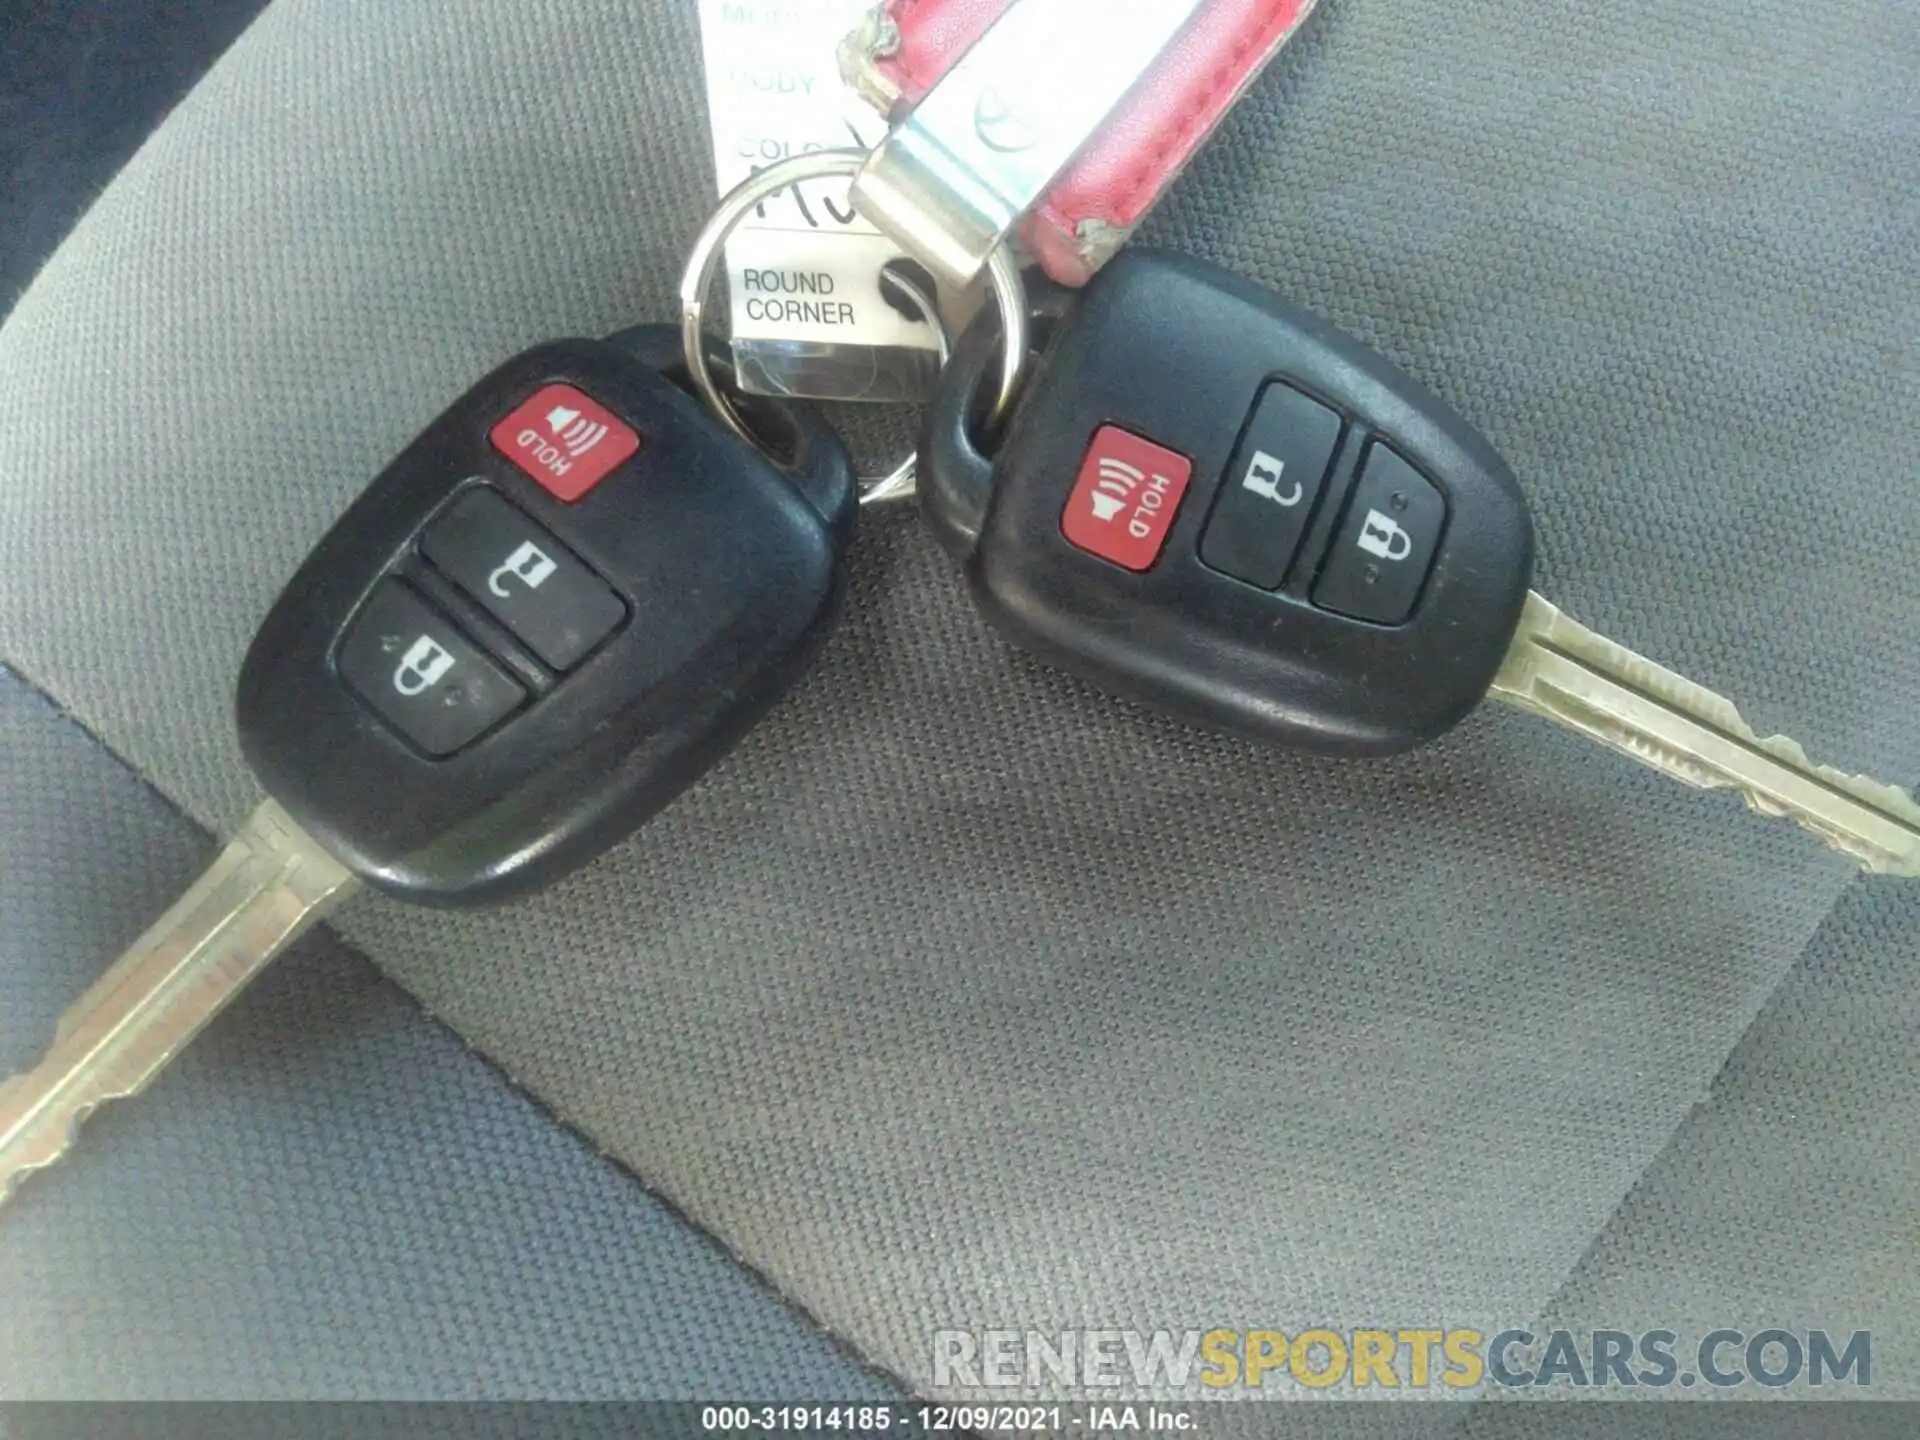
(1387, 544)
(527, 580)
(1272, 488)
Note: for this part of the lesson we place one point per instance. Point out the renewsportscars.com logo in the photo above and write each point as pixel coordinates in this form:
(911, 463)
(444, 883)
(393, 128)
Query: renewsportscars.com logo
(1410, 1358)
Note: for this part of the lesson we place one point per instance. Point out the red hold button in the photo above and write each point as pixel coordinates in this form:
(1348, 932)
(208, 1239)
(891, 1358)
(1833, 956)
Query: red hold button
(566, 440)
(1129, 491)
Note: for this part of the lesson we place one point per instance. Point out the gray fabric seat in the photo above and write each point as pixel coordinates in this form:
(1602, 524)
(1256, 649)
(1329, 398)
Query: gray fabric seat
(329, 1196)
(882, 1004)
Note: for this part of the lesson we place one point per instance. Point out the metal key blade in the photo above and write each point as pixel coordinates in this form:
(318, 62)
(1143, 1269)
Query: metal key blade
(267, 887)
(1562, 670)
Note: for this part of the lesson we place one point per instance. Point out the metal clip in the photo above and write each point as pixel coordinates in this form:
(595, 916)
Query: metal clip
(979, 151)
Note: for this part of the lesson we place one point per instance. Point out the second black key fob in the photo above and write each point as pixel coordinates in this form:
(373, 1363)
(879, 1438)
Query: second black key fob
(1215, 503)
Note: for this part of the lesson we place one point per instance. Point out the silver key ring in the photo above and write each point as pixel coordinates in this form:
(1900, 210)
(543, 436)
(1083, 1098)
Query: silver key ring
(1009, 293)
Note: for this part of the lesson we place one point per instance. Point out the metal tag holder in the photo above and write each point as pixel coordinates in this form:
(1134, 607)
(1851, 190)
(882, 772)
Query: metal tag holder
(954, 178)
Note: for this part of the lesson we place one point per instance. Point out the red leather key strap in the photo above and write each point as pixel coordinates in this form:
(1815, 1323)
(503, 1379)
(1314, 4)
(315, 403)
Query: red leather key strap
(1094, 207)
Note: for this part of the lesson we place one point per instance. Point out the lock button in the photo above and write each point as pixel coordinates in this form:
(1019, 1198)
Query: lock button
(1386, 547)
(421, 673)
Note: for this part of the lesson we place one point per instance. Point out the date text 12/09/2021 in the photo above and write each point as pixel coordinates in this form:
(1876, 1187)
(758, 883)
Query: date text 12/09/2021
(849, 1421)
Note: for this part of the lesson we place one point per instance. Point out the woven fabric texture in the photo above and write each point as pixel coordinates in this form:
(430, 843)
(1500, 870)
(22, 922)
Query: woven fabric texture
(963, 996)
(328, 1196)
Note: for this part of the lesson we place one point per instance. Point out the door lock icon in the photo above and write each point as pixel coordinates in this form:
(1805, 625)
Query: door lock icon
(530, 565)
(1384, 537)
(424, 666)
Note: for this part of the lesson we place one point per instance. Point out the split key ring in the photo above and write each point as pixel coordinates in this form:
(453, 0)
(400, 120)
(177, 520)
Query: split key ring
(1009, 292)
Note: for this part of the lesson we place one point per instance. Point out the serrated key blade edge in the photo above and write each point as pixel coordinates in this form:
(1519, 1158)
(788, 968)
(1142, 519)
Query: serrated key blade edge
(1566, 673)
(264, 890)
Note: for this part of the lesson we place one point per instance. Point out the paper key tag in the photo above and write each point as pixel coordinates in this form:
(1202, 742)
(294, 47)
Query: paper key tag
(809, 317)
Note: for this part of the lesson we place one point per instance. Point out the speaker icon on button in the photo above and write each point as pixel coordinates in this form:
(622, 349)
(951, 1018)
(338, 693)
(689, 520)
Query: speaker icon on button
(576, 434)
(1118, 480)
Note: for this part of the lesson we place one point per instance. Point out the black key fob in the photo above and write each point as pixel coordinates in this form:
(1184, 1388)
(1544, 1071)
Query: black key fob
(564, 602)
(1212, 502)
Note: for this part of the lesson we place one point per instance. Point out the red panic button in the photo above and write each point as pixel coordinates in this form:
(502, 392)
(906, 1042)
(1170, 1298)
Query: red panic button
(566, 441)
(1129, 491)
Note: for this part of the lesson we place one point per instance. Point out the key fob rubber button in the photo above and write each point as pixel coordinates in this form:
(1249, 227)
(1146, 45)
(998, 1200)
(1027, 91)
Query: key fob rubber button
(565, 441)
(1271, 488)
(1387, 544)
(421, 675)
(1123, 505)
(538, 589)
